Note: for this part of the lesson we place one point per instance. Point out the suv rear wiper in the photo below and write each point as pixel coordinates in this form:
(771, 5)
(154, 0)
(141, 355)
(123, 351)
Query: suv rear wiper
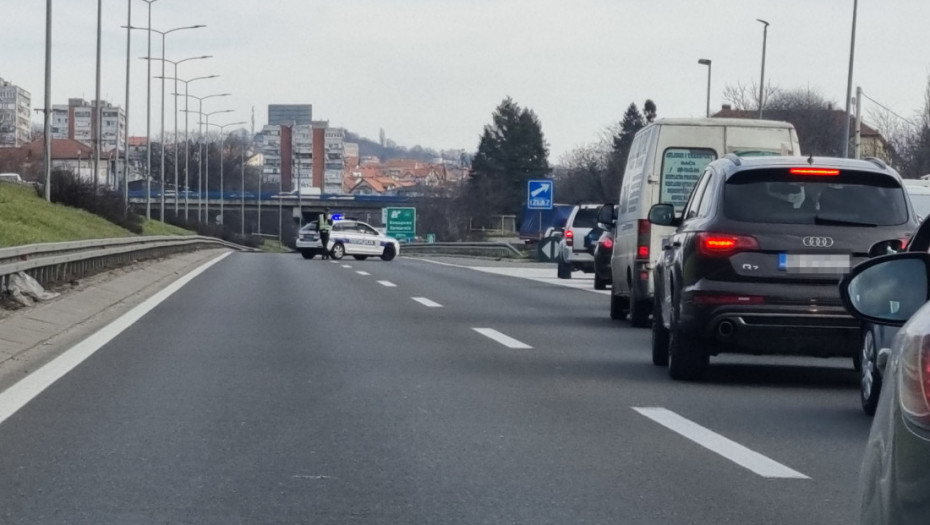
(840, 222)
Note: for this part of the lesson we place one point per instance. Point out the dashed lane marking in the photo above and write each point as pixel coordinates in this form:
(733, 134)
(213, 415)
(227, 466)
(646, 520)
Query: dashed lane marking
(346, 265)
(361, 272)
(729, 449)
(503, 339)
(426, 302)
(388, 284)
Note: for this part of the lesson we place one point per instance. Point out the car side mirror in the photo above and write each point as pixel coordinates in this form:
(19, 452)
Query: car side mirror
(607, 215)
(887, 290)
(663, 214)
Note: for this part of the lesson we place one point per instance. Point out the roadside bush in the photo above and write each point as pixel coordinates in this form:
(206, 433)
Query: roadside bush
(215, 230)
(70, 190)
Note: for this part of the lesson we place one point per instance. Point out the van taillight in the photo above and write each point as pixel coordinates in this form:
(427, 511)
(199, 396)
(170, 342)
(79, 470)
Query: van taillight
(569, 238)
(644, 229)
(723, 244)
(914, 377)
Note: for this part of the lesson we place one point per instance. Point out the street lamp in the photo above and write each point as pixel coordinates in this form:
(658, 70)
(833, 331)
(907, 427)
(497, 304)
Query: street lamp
(765, 33)
(222, 150)
(706, 62)
(187, 146)
(126, 124)
(175, 64)
(852, 52)
(200, 147)
(149, 59)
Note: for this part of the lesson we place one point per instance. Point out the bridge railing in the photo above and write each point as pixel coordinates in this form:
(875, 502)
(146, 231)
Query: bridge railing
(480, 249)
(58, 262)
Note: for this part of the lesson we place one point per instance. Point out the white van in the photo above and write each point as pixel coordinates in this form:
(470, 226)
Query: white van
(666, 159)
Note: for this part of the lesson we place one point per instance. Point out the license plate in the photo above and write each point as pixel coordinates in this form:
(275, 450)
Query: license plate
(820, 263)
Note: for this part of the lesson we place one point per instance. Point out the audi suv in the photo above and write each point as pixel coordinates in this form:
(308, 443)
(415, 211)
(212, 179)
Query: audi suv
(757, 253)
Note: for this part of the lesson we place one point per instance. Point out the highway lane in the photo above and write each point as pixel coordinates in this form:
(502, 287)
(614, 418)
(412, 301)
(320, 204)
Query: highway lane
(272, 389)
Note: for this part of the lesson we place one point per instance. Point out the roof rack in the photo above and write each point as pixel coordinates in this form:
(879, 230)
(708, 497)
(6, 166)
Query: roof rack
(734, 159)
(877, 161)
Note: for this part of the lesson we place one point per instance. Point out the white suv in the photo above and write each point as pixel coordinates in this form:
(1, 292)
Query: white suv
(573, 254)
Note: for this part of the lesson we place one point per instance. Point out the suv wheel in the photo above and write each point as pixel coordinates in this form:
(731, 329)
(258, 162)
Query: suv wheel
(870, 384)
(687, 356)
(660, 337)
(639, 310)
(564, 270)
(599, 284)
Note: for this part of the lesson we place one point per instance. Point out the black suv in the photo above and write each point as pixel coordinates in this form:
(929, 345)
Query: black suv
(759, 249)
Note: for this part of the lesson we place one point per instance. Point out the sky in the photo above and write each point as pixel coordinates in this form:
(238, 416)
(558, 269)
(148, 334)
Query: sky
(432, 72)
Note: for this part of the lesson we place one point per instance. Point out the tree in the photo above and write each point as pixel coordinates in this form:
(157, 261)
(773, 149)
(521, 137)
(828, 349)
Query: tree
(909, 141)
(511, 151)
(582, 176)
(632, 122)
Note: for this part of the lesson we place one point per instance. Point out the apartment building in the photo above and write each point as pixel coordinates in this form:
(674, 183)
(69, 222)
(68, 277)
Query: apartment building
(76, 121)
(15, 115)
(334, 159)
(270, 145)
(290, 114)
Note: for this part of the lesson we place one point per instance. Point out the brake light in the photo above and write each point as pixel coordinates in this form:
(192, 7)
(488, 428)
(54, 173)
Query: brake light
(814, 171)
(904, 241)
(569, 238)
(914, 383)
(643, 235)
(607, 243)
(724, 245)
(716, 299)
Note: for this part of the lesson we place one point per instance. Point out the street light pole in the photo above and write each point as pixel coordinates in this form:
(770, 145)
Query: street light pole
(47, 153)
(148, 117)
(98, 120)
(187, 146)
(222, 151)
(765, 33)
(707, 62)
(126, 124)
(200, 178)
(852, 53)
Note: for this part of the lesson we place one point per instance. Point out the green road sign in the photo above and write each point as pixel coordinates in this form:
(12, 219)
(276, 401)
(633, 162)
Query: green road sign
(401, 223)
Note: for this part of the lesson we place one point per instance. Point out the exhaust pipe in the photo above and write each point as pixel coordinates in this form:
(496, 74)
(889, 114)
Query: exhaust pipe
(725, 329)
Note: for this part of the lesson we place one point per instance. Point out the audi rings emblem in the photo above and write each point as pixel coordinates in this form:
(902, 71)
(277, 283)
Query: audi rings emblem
(817, 242)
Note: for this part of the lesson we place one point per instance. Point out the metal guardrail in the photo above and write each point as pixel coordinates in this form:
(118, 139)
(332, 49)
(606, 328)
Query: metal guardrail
(481, 249)
(58, 262)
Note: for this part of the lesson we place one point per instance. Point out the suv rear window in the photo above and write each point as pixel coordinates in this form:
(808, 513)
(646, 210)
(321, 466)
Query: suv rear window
(850, 198)
(585, 218)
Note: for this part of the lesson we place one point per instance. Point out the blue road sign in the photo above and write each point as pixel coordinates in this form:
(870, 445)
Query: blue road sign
(539, 194)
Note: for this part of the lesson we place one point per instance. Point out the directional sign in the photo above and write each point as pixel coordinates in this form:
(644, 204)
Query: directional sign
(539, 194)
(401, 223)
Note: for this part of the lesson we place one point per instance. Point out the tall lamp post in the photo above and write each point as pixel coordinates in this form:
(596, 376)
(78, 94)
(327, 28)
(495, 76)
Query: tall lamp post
(206, 124)
(200, 196)
(852, 53)
(765, 34)
(222, 128)
(126, 124)
(187, 144)
(706, 62)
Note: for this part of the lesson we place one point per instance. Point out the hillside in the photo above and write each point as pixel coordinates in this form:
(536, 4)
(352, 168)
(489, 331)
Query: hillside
(27, 219)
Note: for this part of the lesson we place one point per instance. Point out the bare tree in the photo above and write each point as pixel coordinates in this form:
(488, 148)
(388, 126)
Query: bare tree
(745, 97)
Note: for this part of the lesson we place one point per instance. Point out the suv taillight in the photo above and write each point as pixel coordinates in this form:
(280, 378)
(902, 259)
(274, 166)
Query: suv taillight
(724, 244)
(643, 234)
(569, 238)
(914, 383)
(608, 243)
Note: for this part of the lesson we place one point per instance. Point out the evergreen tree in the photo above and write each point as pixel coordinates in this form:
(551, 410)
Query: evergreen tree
(512, 151)
(632, 122)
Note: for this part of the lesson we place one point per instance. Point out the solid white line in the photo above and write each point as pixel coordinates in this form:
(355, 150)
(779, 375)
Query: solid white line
(389, 284)
(346, 265)
(505, 340)
(426, 302)
(18, 395)
(729, 449)
(360, 272)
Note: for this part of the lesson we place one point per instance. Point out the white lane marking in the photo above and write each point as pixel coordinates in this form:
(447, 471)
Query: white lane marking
(503, 339)
(389, 284)
(544, 274)
(729, 449)
(426, 302)
(346, 265)
(360, 272)
(18, 395)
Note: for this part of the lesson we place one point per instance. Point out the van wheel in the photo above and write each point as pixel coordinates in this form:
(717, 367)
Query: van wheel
(618, 307)
(660, 337)
(338, 251)
(639, 310)
(564, 270)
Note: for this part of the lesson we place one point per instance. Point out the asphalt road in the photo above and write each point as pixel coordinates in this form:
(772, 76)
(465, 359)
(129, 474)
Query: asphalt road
(271, 389)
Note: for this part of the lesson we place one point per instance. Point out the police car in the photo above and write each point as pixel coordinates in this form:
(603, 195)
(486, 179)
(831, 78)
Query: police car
(348, 237)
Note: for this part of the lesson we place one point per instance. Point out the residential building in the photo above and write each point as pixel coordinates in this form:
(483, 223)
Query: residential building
(15, 115)
(270, 145)
(290, 114)
(333, 160)
(66, 154)
(76, 121)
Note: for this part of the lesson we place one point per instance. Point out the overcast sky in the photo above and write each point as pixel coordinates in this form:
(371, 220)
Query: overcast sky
(431, 72)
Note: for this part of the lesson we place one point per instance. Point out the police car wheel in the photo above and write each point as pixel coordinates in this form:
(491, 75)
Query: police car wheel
(338, 251)
(360, 257)
(389, 253)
